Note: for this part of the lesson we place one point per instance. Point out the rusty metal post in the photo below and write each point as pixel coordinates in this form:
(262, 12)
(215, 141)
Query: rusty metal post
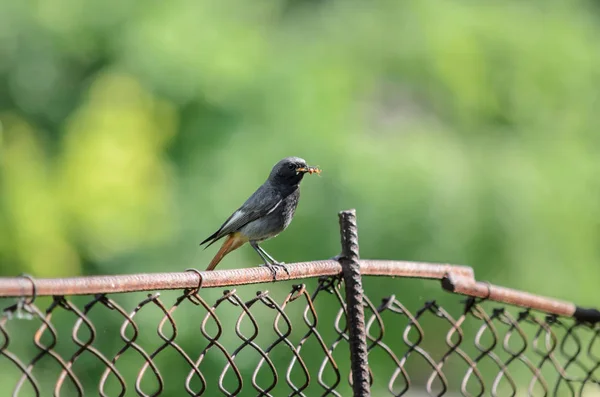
(354, 304)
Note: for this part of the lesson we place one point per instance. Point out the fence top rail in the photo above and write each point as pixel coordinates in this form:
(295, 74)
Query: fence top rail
(455, 278)
(28, 286)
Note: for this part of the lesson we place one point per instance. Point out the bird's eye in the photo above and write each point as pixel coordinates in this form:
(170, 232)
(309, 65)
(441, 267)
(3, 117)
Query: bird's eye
(291, 166)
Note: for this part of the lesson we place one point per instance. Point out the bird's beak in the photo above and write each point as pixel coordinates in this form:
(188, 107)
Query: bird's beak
(310, 170)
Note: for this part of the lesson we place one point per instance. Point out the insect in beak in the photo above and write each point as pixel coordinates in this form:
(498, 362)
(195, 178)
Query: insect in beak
(310, 170)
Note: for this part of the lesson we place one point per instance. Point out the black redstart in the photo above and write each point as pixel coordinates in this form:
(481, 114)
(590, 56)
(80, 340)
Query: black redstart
(265, 214)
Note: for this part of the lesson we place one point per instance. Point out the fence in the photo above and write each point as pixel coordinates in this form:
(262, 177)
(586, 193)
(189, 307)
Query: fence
(328, 336)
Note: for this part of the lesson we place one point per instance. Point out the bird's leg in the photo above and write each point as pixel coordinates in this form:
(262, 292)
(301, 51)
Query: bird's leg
(266, 261)
(265, 253)
(269, 261)
(273, 261)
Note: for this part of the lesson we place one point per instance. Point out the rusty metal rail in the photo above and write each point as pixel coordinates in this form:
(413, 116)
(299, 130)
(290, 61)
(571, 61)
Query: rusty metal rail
(325, 337)
(25, 286)
(455, 278)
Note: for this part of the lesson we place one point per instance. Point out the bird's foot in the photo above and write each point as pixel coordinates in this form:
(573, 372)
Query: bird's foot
(283, 265)
(274, 266)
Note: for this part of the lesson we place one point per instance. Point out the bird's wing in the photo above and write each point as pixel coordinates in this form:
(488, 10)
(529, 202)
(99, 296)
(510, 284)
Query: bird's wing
(261, 203)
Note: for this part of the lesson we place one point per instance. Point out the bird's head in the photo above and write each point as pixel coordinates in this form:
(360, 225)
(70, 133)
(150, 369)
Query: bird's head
(291, 170)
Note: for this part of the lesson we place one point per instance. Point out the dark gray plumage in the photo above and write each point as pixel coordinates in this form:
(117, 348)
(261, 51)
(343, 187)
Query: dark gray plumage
(265, 214)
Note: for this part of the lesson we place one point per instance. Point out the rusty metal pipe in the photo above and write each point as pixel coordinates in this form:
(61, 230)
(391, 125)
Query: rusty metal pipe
(469, 287)
(22, 286)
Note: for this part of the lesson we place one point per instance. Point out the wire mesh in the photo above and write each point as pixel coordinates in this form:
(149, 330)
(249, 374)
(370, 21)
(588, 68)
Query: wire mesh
(292, 341)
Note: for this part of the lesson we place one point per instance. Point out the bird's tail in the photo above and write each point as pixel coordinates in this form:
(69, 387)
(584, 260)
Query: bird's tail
(233, 242)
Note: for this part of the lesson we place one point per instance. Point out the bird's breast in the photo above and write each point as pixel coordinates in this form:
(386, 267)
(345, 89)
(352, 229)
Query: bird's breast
(290, 203)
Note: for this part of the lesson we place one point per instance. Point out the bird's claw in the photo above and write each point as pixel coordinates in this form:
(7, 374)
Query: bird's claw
(283, 265)
(273, 268)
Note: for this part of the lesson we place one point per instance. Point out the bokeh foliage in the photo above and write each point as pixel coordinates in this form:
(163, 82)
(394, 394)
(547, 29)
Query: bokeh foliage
(461, 131)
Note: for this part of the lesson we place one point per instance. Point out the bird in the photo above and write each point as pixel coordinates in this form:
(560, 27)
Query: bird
(266, 213)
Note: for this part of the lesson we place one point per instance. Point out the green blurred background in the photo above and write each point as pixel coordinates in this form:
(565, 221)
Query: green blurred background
(461, 131)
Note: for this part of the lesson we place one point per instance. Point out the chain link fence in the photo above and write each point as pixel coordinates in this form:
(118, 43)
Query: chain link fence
(106, 336)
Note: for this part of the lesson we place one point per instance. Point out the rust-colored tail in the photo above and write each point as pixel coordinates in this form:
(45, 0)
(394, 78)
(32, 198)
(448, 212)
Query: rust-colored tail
(233, 242)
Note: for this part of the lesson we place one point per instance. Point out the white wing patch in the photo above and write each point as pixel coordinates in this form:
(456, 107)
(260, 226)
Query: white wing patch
(236, 215)
(273, 209)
